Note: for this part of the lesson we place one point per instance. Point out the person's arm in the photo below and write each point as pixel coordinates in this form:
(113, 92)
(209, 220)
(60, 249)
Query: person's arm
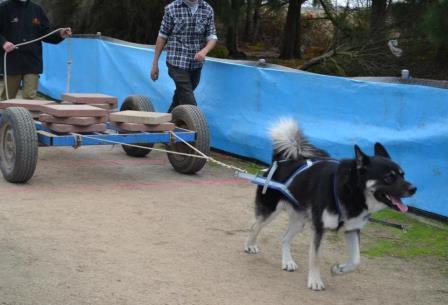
(165, 31)
(200, 56)
(211, 37)
(4, 43)
(160, 44)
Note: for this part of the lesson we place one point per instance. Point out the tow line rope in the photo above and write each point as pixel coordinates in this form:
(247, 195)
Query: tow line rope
(200, 154)
(208, 158)
(5, 72)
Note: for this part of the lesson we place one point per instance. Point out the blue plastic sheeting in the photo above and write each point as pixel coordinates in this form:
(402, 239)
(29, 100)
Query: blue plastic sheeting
(241, 102)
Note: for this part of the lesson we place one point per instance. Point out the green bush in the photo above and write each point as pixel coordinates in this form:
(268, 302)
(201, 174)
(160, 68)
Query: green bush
(219, 52)
(434, 24)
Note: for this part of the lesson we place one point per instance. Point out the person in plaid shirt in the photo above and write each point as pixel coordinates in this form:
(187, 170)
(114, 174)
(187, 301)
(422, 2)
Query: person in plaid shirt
(188, 31)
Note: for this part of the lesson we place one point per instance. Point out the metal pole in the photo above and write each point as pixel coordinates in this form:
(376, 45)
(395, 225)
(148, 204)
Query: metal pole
(69, 64)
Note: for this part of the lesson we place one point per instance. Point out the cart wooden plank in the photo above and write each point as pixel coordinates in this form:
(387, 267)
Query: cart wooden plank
(31, 105)
(79, 121)
(143, 127)
(74, 111)
(64, 128)
(140, 117)
(90, 98)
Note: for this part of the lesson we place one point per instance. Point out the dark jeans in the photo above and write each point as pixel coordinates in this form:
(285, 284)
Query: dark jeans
(186, 81)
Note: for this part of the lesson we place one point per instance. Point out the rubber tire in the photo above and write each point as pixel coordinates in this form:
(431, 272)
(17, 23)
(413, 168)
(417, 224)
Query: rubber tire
(190, 117)
(137, 103)
(17, 122)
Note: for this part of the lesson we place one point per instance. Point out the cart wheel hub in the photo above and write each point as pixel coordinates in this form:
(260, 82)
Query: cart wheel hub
(9, 147)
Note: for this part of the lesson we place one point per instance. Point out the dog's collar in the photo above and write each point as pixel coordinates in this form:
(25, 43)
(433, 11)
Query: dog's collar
(339, 208)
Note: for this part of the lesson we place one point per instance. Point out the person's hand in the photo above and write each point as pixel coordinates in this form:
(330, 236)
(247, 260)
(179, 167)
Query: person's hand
(155, 72)
(200, 56)
(66, 32)
(8, 47)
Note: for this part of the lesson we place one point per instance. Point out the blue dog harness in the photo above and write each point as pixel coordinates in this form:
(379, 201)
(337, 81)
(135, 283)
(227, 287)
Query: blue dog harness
(283, 187)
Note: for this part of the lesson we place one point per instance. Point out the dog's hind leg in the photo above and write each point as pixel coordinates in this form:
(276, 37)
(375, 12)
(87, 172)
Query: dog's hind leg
(262, 220)
(314, 280)
(295, 226)
(352, 241)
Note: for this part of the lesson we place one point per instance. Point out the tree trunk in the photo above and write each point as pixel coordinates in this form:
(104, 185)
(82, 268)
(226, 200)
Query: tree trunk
(339, 20)
(232, 30)
(378, 17)
(291, 34)
(256, 21)
(248, 21)
(231, 40)
(298, 43)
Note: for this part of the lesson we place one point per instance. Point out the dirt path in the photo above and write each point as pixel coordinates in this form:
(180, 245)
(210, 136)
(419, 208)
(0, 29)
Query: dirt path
(96, 227)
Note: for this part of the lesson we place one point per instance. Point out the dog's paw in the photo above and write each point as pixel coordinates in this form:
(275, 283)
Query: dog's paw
(251, 249)
(338, 269)
(289, 266)
(315, 283)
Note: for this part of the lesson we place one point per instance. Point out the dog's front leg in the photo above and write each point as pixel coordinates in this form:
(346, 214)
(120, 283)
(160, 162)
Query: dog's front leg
(314, 280)
(352, 241)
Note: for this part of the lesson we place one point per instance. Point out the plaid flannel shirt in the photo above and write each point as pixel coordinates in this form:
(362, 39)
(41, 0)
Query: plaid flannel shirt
(187, 33)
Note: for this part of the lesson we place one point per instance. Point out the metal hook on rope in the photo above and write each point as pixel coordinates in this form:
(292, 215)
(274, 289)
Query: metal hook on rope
(78, 141)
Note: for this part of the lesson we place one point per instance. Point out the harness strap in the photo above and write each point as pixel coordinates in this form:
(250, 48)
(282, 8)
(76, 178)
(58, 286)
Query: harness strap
(269, 177)
(261, 181)
(283, 187)
(337, 202)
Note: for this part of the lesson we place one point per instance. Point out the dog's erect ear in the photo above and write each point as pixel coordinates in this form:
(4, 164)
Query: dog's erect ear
(361, 158)
(381, 151)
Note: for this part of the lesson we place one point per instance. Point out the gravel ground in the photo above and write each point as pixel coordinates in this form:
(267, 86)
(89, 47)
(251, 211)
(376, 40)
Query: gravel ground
(94, 226)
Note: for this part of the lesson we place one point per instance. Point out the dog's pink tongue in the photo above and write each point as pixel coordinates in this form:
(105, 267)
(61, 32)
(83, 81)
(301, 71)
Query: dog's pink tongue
(401, 206)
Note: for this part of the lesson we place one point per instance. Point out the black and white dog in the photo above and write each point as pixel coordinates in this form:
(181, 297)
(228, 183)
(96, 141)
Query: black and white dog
(330, 194)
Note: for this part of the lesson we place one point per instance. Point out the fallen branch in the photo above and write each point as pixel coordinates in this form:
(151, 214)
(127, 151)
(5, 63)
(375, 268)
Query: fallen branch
(353, 51)
(316, 60)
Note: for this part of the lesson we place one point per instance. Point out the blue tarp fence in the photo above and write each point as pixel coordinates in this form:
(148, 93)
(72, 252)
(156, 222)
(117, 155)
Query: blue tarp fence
(241, 102)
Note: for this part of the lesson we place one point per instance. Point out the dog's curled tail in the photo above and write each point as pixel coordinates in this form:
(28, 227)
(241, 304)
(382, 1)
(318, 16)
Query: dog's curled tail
(291, 144)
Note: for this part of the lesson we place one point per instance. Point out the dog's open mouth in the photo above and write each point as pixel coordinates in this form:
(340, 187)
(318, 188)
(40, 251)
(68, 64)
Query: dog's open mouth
(397, 203)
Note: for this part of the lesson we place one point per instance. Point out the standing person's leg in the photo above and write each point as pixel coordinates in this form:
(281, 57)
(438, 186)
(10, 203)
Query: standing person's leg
(30, 84)
(13, 87)
(195, 77)
(184, 88)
